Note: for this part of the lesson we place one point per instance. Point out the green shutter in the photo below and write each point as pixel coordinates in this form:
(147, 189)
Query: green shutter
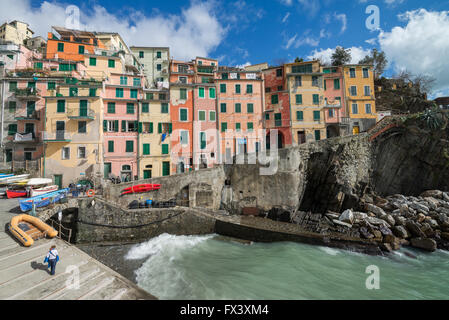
(12, 106)
(110, 146)
(12, 86)
(237, 126)
(165, 149)
(111, 63)
(61, 47)
(212, 116)
(130, 108)
(93, 61)
(237, 88)
(159, 128)
(170, 128)
(129, 146)
(123, 125)
(146, 149)
(274, 99)
(81, 49)
(223, 108)
(202, 115)
(61, 106)
(201, 92)
(145, 107)
(238, 108)
(223, 87)
(224, 127)
(151, 127)
(203, 140)
(164, 107)
(316, 99)
(115, 125)
(317, 135)
(316, 115)
(249, 88)
(183, 114)
(92, 92)
(336, 84)
(183, 93)
(51, 85)
(250, 126)
(111, 107)
(12, 129)
(105, 125)
(250, 108)
(212, 93)
(299, 115)
(299, 99)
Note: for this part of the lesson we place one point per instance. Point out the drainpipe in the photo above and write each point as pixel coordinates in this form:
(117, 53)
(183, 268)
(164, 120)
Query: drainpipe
(3, 112)
(193, 123)
(43, 142)
(217, 123)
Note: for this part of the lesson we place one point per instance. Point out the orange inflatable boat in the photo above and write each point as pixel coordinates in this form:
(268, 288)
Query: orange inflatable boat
(27, 228)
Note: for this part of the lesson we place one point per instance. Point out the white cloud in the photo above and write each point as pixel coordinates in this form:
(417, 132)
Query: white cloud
(286, 17)
(310, 6)
(344, 21)
(371, 41)
(196, 31)
(241, 66)
(290, 41)
(421, 46)
(357, 54)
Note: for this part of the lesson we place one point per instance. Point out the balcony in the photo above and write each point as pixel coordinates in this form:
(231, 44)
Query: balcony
(27, 94)
(85, 113)
(206, 69)
(26, 138)
(58, 136)
(26, 114)
(345, 120)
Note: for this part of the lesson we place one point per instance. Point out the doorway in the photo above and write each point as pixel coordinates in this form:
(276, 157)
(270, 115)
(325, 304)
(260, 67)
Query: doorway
(58, 180)
(301, 137)
(165, 168)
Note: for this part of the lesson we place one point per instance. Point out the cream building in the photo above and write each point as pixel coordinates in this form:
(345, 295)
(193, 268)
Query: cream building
(15, 32)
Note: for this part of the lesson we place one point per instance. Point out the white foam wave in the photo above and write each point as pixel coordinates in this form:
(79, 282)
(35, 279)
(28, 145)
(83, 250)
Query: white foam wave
(163, 243)
(331, 251)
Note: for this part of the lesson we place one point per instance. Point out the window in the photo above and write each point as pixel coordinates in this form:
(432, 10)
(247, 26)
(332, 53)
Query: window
(111, 107)
(184, 137)
(141, 54)
(145, 107)
(353, 90)
(223, 107)
(61, 106)
(81, 49)
(274, 99)
(237, 126)
(315, 81)
(164, 107)
(165, 149)
(51, 85)
(298, 81)
(224, 127)
(307, 68)
(129, 146)
(336, 84)
(367, 90)
(211, 115)
(149, 96)
(146, 149)
(182, 68)
(267, 90)
(182, 79)
(365, 73)
(12, 106)
(29, 127)
(38, 65)
(212, 93)
(299, 99)
(81, 152)
(12, 129)
(162, 96)
(238, 107)
(158, 67)
(203, 141)
(82, 127)
(111, 146)
(331, 113)
(299, 115)
(201, 92)
(316, 116)
(249, 88)
(65, 153)
(183, 94)
(267, 116)
(317, 135)
(92, 92)
(352, 72)
(130, 108)
(278, 119)
(60, 47)
(119, 92)
(368, 108)
(355, 109)
(237, 88)
(223, 87)
(324, 82)
(123, 81)
(224, 76)
(111, 63)
(136, 82)
(67, 67)
(278, 72)
(250, 108)
(158, 54)
(250, 126)
(73, 92)
(182, 114)
(12, 86)
(202, 115)
(92, 61)
(133, 93)
(148, 127)
(32, 84)
(316, 99)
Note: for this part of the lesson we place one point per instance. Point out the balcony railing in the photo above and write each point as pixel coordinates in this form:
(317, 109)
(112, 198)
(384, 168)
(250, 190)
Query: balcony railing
(58, 136)
(26, 138)
(27, 93)
(78, 113)
(26, 114)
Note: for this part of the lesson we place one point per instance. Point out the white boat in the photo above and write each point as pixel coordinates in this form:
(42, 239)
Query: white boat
(44, 190)
(7, 180)
(38, 181)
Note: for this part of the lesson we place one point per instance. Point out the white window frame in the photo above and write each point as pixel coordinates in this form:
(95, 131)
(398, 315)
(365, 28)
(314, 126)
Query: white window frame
(85, 153)
(205, 115)
(110, 126)
(179, 79)
(62, 153)
(364, 91)
(180, 138)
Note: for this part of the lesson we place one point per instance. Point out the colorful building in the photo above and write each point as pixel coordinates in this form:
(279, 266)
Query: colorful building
(15, 32)
(155, 62)
(306, 88)
(277, 105)
(240, 101)
(359, 97)
(334, 102)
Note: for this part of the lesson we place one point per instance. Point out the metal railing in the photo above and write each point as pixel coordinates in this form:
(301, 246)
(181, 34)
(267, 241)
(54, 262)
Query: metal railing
(62, 231)
(26, 165)
(59, 135)
(87, 113)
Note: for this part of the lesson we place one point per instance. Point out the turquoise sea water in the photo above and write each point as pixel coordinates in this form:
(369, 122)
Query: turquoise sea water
(206, 267)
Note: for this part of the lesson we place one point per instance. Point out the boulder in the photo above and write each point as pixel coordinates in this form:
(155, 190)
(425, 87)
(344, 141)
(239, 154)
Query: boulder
(419, 207)
(428, 231)
(347, 216)
(432, 202)
(389, 219)
(414, 229)
(421, 218)
(424, 243)
(445, 235)
(385, 231)
(341, 223)
(377, 235)
(386, 247)
(400, 220)
(443, 220)
(446, 196)
(442, 210)
(332, 215)
(379, 212)
(401, 232)
(365, 233)
(376, 221)
(432, 193)
(433, 223)
(360, 215)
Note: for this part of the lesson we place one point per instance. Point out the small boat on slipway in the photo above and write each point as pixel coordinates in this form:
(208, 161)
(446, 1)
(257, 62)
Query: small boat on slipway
(24, 188)
(27, 229)
(43, 190)
(43, 200)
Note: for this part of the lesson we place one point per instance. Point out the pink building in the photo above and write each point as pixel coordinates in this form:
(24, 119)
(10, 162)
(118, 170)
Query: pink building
(334, 100)
(120, 125)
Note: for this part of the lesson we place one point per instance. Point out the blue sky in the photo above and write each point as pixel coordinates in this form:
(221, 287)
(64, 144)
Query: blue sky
(255, 31)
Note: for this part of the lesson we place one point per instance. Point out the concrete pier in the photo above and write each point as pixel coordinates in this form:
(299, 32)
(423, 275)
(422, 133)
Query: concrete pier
(24, 276)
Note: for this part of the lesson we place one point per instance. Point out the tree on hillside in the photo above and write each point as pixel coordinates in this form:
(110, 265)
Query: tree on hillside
(299, 60)
(378, 59)
(341, 56)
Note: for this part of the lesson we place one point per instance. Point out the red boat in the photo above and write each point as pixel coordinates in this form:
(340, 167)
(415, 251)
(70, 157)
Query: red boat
(141, 188)
(16, 193)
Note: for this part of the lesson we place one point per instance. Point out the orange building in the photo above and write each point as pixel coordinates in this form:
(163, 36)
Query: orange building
(71, 44)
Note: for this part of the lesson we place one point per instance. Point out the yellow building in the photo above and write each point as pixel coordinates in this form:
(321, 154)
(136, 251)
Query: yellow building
(154, 120)
(15, 32)
(305, 87)
(359, 97)
(73, 135)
